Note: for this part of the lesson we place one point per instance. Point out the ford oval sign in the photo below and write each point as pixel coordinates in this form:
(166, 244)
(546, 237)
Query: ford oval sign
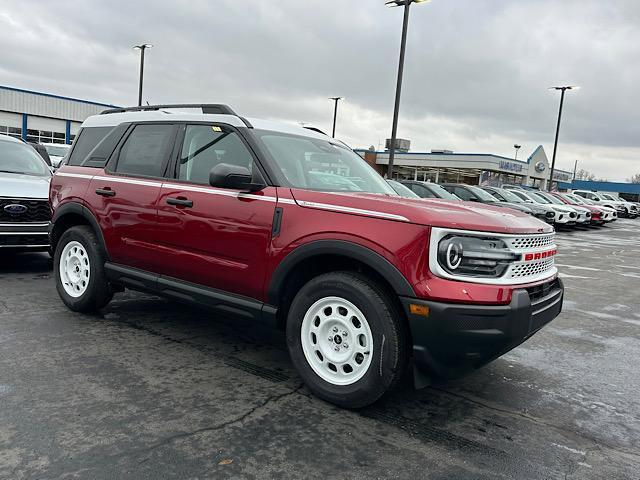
(15, 209)
(540, 167)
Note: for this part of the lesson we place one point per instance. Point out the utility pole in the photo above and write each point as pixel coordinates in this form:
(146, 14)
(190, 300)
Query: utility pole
(142, 48)
(555, 143)
(396, 108)
(335, 114)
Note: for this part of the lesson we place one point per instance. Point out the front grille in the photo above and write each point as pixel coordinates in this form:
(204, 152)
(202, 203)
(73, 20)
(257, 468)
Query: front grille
(541, 291)
(532, 242)
(531, 269)
(36, 211)
(19, 240)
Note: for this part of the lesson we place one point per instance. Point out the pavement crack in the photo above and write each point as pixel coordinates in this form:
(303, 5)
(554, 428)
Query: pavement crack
(238, 419)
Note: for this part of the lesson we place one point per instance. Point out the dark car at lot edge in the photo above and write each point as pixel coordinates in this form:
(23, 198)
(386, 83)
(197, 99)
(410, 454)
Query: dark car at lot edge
(244, 216)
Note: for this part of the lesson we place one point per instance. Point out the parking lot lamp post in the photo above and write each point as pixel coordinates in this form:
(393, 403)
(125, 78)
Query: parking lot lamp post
(396, 108)
(517, 147)
(335, 114)
(555, 144)
(142, 48)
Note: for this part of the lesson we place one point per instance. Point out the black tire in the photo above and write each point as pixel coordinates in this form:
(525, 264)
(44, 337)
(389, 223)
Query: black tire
(388, 330)
(97, 293)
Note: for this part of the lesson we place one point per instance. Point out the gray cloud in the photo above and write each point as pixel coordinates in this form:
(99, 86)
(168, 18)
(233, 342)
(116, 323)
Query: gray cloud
(475, 79)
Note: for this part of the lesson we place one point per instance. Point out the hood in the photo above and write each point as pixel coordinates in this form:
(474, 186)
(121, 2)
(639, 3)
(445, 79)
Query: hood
(423, 211)
(13, 185)
(562, 208)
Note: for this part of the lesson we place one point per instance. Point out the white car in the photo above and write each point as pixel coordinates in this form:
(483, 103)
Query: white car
(608, 214)
(584, 214)
(622, 209)
(57, 152)
(564, 215)
(632, 208)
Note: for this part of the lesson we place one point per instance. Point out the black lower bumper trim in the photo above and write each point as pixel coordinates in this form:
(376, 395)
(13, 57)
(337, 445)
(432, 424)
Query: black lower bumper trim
(457, 338)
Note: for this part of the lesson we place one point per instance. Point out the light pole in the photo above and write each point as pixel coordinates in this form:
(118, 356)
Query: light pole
(335, 113)
(555, 144)
(517, 147)
(403, 43)
(142, 48)
(575, 167)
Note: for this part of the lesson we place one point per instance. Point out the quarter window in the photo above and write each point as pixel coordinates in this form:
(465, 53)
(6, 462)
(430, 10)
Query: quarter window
(206, 146)
(87, 140)
(146, 150)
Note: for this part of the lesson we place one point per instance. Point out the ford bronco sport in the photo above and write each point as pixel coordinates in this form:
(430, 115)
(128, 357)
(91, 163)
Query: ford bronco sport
(285, 225)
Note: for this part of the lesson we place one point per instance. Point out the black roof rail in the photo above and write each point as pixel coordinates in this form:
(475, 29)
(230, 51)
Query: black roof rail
(212, 108)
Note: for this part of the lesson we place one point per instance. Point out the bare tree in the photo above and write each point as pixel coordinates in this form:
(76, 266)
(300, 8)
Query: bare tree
(583, 174)
(635, 178)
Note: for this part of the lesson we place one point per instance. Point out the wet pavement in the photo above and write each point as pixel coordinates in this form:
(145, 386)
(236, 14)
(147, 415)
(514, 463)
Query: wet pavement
(152, 389)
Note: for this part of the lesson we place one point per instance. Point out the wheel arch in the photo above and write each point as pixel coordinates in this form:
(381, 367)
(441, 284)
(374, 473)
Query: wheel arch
(322, 256)
(69, 215)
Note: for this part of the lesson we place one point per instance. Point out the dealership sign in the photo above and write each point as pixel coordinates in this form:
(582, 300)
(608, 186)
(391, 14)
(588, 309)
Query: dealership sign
(511, 166)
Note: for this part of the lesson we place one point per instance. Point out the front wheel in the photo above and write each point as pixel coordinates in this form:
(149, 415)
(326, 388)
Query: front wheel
(78, 265)
(346, 339)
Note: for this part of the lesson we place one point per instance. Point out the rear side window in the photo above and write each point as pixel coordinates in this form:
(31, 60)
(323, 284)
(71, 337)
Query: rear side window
(86, 141)
(146, 150)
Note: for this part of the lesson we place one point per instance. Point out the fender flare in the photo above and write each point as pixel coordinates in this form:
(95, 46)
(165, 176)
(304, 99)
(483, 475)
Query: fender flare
(79, 209)
(365, 255)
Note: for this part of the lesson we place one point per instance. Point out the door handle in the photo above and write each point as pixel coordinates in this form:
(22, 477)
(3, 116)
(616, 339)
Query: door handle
(106, 192)
(180, 202)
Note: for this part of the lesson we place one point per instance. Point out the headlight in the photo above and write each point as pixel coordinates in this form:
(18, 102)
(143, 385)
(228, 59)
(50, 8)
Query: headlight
(474, 256)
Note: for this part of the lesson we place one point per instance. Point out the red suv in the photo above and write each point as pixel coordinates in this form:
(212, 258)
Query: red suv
(282, 224)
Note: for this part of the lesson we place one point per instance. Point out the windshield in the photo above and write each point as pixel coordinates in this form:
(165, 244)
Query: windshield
(551, 198)
(402, 190)
(57, 150)
(317, 164)
(538, 198)
(481, 194)
(571, 199)
(22, 159)
(508, 196)
(588, 201)
(440, 192)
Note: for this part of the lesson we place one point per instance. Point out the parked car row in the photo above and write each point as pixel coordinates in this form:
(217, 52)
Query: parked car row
(578, 208)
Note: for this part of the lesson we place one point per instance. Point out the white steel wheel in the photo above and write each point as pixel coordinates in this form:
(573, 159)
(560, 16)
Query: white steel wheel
(337, 341)
(75, 269)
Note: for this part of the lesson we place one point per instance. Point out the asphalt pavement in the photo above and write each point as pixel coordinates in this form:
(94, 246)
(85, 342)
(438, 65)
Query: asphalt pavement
(151, 389)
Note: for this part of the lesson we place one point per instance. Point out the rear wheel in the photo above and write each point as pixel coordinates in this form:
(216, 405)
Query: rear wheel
(78, 266)
(346, 339)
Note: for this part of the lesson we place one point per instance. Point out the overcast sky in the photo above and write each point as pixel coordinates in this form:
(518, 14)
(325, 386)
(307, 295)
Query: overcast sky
(476, 73)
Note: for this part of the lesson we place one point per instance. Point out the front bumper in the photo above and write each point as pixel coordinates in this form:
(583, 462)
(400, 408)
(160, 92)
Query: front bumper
(24, 236)
(457, 338)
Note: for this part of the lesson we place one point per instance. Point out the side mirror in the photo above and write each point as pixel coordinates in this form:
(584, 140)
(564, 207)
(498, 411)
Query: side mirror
(235, 177)
(474, 199)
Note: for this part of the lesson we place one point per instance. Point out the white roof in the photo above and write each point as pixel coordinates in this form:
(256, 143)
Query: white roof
(113, 119)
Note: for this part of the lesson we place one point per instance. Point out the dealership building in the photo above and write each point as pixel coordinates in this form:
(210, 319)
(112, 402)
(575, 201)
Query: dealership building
(443, 166)
(43, 117)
